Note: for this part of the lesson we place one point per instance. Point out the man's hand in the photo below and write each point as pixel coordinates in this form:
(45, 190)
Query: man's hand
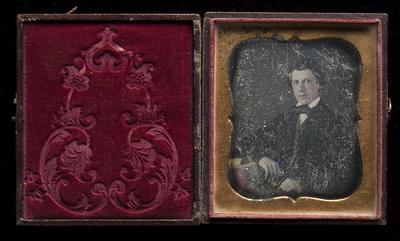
(271, 167)
(290, 185)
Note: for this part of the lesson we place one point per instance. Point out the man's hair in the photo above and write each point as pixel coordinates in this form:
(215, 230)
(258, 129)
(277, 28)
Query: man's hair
(310, 65)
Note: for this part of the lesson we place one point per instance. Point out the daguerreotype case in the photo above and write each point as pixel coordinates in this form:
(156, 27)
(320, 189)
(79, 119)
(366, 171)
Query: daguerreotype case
(116, 126)
(295, 116)
(108, 124)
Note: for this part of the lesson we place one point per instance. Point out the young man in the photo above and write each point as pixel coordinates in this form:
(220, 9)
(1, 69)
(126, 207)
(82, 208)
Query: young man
(309, 150)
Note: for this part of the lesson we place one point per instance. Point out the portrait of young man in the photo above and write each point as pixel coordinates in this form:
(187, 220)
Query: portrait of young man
(304, 150)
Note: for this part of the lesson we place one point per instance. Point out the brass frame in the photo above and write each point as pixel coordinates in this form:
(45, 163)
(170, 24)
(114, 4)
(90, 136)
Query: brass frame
(365, 31)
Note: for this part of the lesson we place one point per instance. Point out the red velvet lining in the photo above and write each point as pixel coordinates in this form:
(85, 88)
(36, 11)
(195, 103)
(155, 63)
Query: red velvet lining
(48, 48)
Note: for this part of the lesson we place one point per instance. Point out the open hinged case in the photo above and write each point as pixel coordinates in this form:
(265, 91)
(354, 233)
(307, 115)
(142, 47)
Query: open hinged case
(108, 119)
(295, 113)
(114, 126)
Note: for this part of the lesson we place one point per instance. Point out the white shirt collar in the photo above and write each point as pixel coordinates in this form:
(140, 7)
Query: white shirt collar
(313, 103)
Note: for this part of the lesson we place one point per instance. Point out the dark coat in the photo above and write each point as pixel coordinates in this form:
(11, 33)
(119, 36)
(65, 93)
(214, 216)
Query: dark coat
(323, 153)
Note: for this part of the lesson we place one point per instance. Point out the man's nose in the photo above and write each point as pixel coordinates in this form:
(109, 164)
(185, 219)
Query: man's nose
(302, 86)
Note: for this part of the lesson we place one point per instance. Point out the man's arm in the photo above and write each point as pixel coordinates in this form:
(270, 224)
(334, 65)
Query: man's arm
(345, 169)
(339, 173)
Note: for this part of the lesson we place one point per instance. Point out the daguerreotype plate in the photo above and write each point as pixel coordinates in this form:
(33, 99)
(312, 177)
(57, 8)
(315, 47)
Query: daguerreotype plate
(108, 119)
(297, 107)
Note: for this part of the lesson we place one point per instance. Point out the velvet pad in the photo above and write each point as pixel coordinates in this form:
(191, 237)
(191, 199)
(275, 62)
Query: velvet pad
(107, 112)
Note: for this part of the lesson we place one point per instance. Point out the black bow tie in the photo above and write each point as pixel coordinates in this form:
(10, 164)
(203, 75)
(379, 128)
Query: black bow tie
(303, 109)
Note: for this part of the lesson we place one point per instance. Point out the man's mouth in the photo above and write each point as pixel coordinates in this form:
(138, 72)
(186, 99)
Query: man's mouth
(302, 96)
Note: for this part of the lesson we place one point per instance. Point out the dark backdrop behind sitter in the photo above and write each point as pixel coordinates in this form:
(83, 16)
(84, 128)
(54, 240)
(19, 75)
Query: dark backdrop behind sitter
(260, 87)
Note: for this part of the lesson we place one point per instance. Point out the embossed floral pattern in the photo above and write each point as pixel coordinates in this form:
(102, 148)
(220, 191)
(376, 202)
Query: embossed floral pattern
(72, 117)
(75, 79)
(76, 158)
(140, 73)
(66, 156)
(179, 192)
(34, 187)
(136, 78)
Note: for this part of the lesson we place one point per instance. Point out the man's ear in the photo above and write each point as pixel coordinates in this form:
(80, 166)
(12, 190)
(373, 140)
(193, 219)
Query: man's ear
(318, 83)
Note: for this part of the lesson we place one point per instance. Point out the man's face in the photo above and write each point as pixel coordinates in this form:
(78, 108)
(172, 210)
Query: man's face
(305, 86)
